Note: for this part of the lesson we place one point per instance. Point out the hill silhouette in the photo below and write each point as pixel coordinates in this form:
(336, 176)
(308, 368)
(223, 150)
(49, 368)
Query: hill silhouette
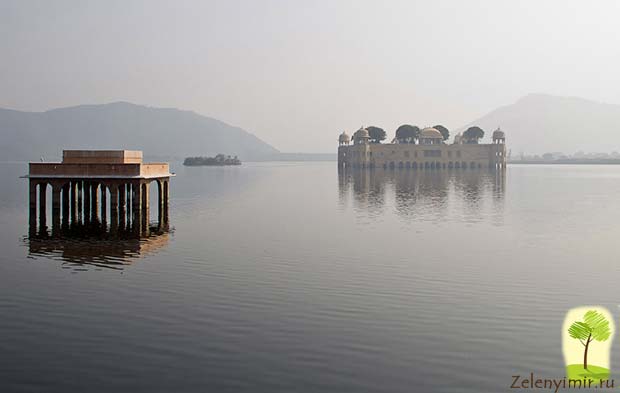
(160, 132)
(539, 123)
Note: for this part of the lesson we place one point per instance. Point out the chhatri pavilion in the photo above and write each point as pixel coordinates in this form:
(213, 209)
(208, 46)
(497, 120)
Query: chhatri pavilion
(98, 186)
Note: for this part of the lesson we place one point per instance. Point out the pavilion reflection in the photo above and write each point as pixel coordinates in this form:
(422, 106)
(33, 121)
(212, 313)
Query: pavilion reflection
(81, 246)
(423, 194)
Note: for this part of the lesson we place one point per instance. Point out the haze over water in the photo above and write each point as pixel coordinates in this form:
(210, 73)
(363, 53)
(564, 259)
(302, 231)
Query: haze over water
(281, 277)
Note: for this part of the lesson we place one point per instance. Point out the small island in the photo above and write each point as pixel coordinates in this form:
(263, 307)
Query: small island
(218, 160)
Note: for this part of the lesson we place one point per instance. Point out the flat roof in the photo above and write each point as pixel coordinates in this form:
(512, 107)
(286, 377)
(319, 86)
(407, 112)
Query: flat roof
(157, 176)
(101, 156)
(100, 164)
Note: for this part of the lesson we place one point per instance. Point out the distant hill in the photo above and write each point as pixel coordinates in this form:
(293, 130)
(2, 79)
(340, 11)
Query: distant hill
(160, 132)
(539, 123)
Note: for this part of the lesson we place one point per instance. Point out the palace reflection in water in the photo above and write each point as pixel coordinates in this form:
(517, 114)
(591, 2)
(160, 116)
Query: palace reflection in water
(424, 195)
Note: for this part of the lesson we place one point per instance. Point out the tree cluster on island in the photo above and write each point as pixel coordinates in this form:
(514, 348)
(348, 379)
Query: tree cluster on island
(408, 133)
(218, 160)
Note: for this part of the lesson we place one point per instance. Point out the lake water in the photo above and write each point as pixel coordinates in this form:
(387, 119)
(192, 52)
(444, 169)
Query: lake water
(286, 277)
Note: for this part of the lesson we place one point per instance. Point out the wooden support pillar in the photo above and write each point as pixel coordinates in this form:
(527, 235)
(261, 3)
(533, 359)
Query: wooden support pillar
(121, 206)
(94, 203)
(32, 222)
(104, 203)
(73, 201)
(136, 208)
(42, 207)
(87, 201)
(114, 207)
(65, 204)
(56, 208)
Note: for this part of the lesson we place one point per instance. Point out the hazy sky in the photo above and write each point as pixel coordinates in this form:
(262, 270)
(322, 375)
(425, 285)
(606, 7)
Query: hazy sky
(296, 73)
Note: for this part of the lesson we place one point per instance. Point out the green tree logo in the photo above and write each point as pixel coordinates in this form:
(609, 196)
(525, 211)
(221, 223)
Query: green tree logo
(594, 327)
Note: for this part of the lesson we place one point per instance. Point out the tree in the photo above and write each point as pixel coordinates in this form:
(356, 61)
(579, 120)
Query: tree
(473, 134)
(444, 131)
(376, 134)
(407, 133)
(594, 327)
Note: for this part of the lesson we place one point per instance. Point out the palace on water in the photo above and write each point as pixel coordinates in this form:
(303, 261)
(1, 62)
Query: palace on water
(431, 152)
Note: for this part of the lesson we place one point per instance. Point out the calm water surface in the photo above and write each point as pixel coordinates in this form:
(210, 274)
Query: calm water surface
(286, 277)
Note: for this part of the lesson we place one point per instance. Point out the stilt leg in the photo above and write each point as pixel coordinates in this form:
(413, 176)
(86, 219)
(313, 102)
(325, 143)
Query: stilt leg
(73, 201)
(56, 209)
(136, 208)
(114, 207)
(104, 204)
(32, 222)
(122, 195)
(94, 202)
(42, 208)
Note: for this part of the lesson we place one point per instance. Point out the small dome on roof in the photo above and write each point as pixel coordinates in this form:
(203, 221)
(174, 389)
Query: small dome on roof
(361, 133)
(344, 137)
(499, 134)
(430, 133)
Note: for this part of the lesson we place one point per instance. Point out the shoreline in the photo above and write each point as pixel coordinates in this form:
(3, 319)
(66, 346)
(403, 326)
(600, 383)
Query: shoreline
(602, 161)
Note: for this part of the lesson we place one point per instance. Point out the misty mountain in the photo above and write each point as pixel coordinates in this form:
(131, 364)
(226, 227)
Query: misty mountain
(539, 123)
(159, 132)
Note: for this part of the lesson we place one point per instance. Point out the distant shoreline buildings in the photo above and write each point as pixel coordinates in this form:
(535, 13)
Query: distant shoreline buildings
(430, 151)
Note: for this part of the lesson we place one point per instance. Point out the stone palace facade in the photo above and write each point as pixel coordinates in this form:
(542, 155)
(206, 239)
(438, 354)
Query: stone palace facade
(429, 153)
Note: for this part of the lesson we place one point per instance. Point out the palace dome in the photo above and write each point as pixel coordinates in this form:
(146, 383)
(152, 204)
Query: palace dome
(499, 134)
(430, 133)
(344, 137)
(361, 133)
